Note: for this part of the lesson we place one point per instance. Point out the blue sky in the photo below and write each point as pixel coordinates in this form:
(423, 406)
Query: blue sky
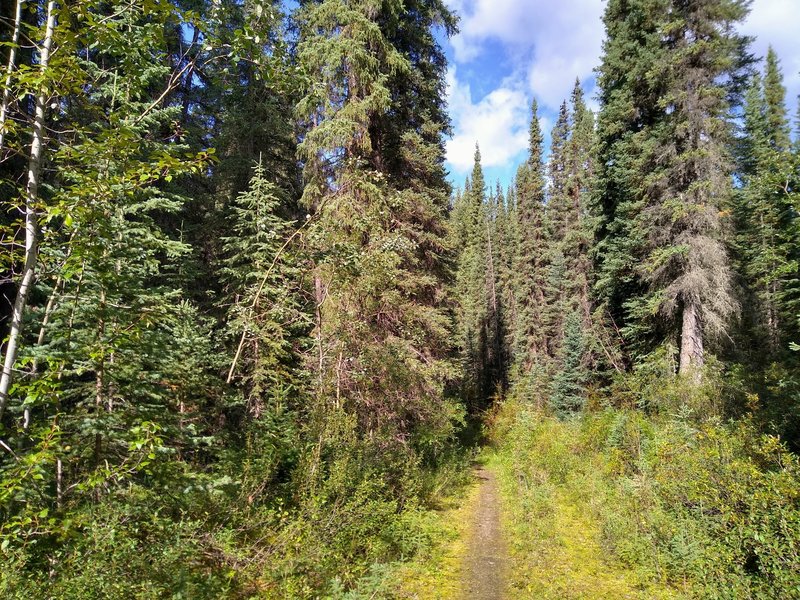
(509, 51)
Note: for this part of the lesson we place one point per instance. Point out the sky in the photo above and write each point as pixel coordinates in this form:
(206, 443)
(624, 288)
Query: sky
(509, 51)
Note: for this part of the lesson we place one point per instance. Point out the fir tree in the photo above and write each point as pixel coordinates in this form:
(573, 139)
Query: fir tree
(629, 112)
(578, 234)
(558, 201)
(775, 99)
(264, 315)
(471, 290)
(664, 173)
(687, 267)
(765, 219)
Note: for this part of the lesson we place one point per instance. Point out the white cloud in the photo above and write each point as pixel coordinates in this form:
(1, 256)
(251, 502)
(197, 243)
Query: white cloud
(550, 43)
(498, 123)
(553, 42)
(775, 22)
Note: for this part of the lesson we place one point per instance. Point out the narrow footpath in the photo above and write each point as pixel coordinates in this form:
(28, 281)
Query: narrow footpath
(484, 567)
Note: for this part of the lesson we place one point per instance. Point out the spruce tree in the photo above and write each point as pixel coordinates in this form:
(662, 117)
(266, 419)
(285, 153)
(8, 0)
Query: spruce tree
(558, 201)
(775, 98)
(688, 267)
(629, 112)
(472, 292)
(570, 273)
(764, 217)
(530, 338)
(567, 389)
(664, 171)
(381, 334)
(265, 318)
(511, 279)
(578, 234)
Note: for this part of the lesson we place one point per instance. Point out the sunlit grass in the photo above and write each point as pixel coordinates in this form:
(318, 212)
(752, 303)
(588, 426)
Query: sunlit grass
(550, 507)
(437, 574)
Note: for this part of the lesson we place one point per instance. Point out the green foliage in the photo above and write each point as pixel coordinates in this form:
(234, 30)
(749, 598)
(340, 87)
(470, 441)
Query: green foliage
(265, 318)
(567, 393)
(710, 509)
(530, 256)
(221, 367)
(478, 327)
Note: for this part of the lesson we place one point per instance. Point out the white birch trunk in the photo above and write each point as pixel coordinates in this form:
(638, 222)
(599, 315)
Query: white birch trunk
(12, 62)
(31, 215)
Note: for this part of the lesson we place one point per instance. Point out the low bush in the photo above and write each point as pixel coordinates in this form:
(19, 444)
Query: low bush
(710, 508)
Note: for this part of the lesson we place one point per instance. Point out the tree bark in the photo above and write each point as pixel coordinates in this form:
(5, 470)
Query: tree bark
(31, 214)
(12, 62)
(691, 360)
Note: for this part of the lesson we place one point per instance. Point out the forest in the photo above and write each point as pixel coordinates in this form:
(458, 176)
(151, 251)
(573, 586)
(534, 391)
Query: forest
(255, 341)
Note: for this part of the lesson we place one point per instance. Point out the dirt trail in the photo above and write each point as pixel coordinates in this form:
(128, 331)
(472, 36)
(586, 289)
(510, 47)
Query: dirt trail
(484, 566)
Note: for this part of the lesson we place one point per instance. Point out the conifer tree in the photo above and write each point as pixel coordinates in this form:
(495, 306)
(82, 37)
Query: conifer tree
(471, 290)
(530, 338)
(570, 275)
(265, 319)
(115, 360)
(629, 112)
(765, 219)
(567, 390)
(578, 232)
(775, 98)
(664, 173)
(687, 267)
(558, 201)
(380, 332)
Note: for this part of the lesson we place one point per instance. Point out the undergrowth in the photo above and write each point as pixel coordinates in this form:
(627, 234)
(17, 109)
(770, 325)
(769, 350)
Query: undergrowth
(618, 504)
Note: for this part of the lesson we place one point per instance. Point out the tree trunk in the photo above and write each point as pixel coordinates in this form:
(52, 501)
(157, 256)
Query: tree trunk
(31, 215)
(691, 361)
(12, 61)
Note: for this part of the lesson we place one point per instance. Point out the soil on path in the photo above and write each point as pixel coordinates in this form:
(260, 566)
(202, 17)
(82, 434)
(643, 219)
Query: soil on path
(484, 567)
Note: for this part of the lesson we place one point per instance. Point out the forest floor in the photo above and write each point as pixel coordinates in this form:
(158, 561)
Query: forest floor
(555, 546)
(469, 559)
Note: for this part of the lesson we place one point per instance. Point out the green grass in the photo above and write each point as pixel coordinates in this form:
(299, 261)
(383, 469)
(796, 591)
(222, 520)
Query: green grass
(436, 574)
(552, 514)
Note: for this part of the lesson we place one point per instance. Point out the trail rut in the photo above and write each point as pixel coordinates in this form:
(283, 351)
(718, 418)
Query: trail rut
(484, 569)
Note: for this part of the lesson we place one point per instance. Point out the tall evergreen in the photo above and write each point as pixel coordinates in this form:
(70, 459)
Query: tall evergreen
(578, 232)
(472, 290)
(775, 98)
(688, 267)
(765, 218)
(570, 269)
(265, 316)
(558, 201)
(629, 111)
(380, 331)
(665, 171)
(530, 341)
